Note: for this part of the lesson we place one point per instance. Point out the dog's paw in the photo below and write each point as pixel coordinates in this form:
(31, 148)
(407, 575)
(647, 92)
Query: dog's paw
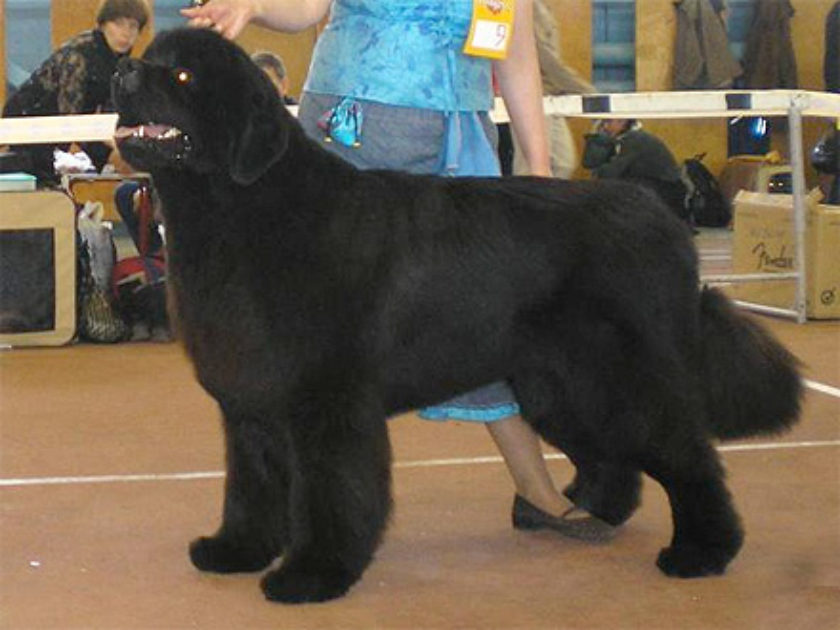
(222, 555)
(298, 586)
(614, 503)
(690, 561)
(576, 494)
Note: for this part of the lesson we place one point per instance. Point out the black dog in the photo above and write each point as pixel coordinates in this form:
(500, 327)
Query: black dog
(316, 300)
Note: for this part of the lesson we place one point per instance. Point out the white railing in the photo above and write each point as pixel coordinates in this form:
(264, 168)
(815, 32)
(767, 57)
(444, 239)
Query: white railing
(794, 104)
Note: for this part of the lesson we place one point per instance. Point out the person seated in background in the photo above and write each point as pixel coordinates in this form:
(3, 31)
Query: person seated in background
(620, 148)
(76, 79)
(825, 158)
(274, 67)
(139, 282)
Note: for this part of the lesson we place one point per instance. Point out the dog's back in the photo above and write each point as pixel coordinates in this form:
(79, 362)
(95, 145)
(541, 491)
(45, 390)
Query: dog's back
(480, 257)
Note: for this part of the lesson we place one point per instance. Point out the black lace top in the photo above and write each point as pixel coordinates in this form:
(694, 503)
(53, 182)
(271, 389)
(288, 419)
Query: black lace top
(75, 79)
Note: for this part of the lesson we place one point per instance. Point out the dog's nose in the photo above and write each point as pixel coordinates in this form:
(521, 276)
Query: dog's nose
(126, 79)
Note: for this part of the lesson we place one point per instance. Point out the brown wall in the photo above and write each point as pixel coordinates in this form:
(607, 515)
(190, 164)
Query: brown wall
(69, 18)
(2, 51)
(655, 34)
(656, 27)
(574, 18)
(295, 49)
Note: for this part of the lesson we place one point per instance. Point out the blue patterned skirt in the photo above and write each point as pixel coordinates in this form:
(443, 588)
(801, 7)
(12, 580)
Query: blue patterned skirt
(425, 142)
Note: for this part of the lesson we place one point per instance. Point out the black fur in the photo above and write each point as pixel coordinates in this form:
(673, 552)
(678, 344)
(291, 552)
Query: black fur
(316, 300)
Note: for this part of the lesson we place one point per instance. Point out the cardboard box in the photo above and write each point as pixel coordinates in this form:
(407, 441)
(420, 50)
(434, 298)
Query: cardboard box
(91, 187)
(102, 188)
(763, 174)
(764, 241)
(37, 269)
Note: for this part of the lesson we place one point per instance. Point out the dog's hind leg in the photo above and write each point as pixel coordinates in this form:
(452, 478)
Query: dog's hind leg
(707, 531)
(340, 498)
(608, 490)
(253, 526)
(574, 399)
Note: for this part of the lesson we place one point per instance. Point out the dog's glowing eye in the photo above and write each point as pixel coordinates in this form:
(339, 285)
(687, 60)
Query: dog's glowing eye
(183, 77)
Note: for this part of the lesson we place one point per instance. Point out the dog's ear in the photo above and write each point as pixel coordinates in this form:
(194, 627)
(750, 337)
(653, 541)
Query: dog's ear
(258, 140)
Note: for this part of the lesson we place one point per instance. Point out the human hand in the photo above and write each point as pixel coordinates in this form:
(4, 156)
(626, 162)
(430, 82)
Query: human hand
(227, 17)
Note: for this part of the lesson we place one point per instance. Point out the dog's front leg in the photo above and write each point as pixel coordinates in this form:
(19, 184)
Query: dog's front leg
(341, 498)
(254, 521)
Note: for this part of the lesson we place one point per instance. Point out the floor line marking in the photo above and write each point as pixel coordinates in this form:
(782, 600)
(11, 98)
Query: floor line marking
(822, 387)
(728, 448)
(57, 481)
(428, 463)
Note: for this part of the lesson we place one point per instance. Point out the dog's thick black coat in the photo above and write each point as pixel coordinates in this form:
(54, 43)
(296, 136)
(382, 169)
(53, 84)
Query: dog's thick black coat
(316, 300)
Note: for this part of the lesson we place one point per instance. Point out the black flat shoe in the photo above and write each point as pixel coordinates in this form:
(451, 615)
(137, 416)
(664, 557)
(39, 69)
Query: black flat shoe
(570, 524)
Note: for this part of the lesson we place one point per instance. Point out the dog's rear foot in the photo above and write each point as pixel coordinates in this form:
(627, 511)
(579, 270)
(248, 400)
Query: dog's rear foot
(222, 555)
(300, 585)
(610, 493)
(690, 561)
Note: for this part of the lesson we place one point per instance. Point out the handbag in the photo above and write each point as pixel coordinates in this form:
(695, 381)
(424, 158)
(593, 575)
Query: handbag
(99, 319)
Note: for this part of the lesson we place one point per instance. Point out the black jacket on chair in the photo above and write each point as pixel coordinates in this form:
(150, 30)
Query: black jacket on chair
(75, 79)
(832, 49)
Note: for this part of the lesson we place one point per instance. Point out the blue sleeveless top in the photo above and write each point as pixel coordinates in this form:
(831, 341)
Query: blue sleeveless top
(401, 52)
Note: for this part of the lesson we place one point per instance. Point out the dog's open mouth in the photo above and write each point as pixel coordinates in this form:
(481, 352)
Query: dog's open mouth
(164, 140)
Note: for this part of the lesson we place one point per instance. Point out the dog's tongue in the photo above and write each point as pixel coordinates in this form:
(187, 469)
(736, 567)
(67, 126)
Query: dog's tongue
(150, 130)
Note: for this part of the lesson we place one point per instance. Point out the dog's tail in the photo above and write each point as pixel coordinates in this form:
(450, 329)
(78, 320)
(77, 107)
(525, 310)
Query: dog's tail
(750, 382)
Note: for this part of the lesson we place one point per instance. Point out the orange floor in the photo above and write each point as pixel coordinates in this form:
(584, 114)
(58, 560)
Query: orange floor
(110, 460)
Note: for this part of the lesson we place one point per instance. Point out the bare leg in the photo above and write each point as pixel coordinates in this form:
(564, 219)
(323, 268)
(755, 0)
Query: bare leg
(537, 504)
(520, 448)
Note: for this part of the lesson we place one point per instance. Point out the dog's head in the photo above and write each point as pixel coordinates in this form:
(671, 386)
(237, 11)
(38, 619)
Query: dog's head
(197, 102)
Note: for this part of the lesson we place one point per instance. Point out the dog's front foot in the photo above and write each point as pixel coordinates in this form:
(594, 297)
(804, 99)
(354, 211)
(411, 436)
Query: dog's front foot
(690, 561)
(224, 555)
(299, 584)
